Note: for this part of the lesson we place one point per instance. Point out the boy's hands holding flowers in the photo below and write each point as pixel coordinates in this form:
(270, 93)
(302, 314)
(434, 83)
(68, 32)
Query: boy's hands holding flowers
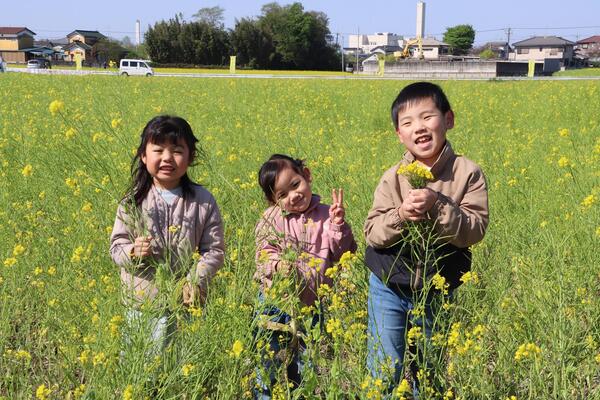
(337, 211)
(417, 204)
(421, 198)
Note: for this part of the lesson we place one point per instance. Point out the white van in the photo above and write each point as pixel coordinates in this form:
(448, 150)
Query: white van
(135, 67)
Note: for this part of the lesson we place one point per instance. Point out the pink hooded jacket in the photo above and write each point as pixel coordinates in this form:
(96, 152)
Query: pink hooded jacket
(310, 234)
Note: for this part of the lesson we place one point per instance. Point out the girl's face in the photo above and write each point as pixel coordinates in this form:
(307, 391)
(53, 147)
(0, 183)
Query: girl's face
(167, 162)
(292, 190)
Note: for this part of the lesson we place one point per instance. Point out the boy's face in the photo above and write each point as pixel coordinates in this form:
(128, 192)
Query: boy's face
(422, 129)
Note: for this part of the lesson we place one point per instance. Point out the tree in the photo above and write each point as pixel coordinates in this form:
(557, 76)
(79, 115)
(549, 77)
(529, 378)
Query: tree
(250, 44)
(106, 49)
(211, 15)
(286, 37)
(126, 42)
(460, 38)
(487, 54)
(177, 41)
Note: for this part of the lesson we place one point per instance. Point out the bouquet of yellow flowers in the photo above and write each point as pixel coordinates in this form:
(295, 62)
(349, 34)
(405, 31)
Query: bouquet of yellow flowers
(416, 173)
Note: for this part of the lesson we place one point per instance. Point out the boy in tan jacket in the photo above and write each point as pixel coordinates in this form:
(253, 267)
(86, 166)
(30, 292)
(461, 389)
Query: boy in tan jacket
(454, 204)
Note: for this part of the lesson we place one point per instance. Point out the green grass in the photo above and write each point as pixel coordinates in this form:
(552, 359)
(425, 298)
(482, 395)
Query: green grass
(579, 72)
(62, 176)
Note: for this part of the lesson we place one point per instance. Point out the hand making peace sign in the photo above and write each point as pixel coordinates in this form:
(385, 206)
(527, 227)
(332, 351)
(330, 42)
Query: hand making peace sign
(337, 211)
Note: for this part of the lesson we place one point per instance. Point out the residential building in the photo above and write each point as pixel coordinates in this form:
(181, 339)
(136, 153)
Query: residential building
(367, 43)
(539, 48)
(15, 43)
(589, 47)
(433, 49)
(81, 42)
(56, 45)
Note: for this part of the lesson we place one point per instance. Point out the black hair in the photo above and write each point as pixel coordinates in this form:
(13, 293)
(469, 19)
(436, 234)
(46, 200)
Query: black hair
(416, 92)
(267, 175)
(160, 129)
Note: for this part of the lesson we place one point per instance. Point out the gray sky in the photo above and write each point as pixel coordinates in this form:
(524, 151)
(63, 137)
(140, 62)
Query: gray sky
(573, 20)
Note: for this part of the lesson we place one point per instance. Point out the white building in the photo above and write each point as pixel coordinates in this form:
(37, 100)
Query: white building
(366, 43)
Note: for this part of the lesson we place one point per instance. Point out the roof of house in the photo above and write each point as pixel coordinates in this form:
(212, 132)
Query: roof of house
(496, 45)
(537, 41)
(51, 42)
(11, 30)
(429, 41)
(591, 39)
(84, 33)
(386, 49)
(77, 43)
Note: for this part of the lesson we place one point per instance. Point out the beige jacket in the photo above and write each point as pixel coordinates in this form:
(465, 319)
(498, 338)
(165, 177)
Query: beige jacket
(461, 212)
(195, 224)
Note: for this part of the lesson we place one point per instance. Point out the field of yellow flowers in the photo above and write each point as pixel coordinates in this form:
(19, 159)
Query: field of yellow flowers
(526, 325)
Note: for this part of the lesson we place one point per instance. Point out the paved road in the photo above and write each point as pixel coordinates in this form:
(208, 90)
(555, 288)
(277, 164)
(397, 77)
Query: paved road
(56, 71)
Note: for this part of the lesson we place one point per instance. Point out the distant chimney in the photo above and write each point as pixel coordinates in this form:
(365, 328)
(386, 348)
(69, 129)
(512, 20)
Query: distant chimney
(138, 35)
(420, 19)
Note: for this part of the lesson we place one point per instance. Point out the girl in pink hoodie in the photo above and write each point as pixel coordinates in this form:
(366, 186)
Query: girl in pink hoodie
(297, 239)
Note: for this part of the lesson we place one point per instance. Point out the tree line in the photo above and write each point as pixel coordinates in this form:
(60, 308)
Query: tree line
(281, 37)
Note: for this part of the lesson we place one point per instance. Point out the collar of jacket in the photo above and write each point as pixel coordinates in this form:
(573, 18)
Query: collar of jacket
(447, 154)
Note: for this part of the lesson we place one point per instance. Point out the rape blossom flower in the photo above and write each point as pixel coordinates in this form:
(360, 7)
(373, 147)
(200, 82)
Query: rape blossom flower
(27, 170)
(237, 349)
(416, 173)
(56, 107)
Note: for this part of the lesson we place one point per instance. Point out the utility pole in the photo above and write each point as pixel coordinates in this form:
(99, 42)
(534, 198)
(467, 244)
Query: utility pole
(357, 39)
(507, 42)
(342, 49)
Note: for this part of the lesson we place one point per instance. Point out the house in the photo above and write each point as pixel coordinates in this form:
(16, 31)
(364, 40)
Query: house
(433, 49)
(539, 48)
(57, 45)
(365, 44)
(589, 48)
(81, 42)
(15, 43)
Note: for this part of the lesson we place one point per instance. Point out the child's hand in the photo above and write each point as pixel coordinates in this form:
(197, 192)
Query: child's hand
(418, 202)
(337, 211)
(192, 295)
(142, 246)
(283, 267)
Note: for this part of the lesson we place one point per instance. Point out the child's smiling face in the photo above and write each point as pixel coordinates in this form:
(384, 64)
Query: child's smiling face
(167, 162)
(292, 190)
(422, 129)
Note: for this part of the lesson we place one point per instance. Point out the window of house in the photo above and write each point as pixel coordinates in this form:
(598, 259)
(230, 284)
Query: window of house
(584, 46)
(553, 51)
(522, 51)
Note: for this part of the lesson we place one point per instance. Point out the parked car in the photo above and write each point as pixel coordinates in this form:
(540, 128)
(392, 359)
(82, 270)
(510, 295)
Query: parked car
(135, 67)
(38, 63)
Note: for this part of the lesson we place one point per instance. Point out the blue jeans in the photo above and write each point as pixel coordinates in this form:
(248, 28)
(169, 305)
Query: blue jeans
(390, 318)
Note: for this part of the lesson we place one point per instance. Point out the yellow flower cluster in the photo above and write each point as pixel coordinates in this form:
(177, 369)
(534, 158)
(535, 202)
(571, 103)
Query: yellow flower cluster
(527, 350)
(187, 369)
(470, 276)
(417, 174)
(236, 349)
(439, 282)
(56, 107)
(27, 170)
